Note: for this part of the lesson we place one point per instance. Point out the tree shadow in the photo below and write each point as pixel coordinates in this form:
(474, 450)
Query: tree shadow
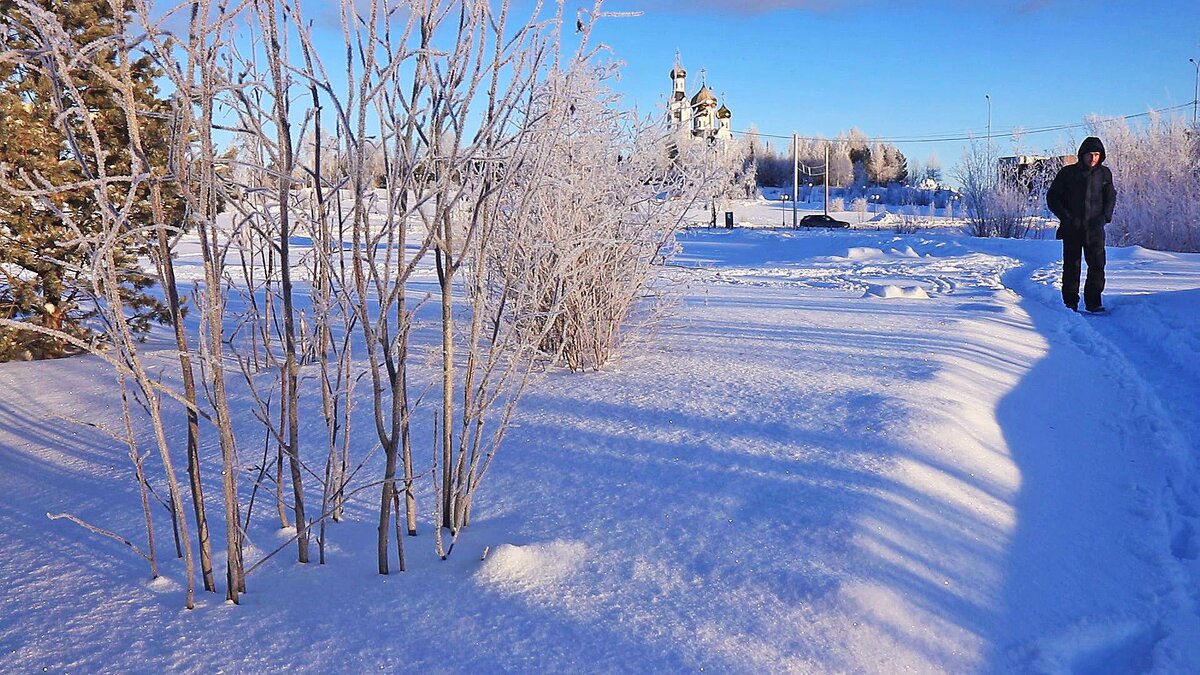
(749, 519)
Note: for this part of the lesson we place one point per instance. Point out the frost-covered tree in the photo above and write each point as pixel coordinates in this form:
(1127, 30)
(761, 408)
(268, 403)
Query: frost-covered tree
(841, 165)
(507, 170)
(743, 179)
(932, 170)
(885, 164)
(118, 200)
(877, 169)
(1156, 169)
(895, 166)
(857, 146)
(753, 141)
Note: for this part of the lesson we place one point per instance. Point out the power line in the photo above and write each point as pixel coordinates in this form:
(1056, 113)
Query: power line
(946, 137)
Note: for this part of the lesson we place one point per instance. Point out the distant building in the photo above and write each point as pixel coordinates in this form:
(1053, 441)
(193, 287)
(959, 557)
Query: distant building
(700, 113)
(1033, 172)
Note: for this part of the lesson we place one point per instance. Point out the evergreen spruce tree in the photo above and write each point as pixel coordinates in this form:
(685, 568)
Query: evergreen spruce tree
(44, 270)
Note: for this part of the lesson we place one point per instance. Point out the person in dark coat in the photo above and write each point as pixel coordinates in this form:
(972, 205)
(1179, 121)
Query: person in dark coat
(1082, 196)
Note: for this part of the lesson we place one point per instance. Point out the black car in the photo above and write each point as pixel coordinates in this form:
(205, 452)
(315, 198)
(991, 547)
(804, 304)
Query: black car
(822, 220)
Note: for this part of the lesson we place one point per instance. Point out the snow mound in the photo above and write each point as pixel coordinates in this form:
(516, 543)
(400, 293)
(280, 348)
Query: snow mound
(1139, 253)
(531, 568)
(163, 585)
(855, 253)
(864, 253)
(893, 291)
(885, 218)
(869, 253)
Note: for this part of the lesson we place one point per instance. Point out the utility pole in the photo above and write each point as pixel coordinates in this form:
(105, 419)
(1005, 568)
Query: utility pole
(795, 175)
(827, 178)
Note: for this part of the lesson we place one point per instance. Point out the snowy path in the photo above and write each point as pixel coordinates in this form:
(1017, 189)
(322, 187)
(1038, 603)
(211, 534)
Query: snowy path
(1144, 357)
(955, 484)
(848, 452)
(1043, 441)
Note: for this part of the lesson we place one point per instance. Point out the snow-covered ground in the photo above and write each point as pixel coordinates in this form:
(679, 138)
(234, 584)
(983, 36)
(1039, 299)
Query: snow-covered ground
(845, 451)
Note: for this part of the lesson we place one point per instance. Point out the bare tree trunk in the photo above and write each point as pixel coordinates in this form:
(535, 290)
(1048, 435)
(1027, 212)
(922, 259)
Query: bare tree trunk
(166, 273)
(202, 69)
(410, 498)
(385, 507)
(399, 534)
(280, 502)
(140, 473)
(445, 267)
(291, 380)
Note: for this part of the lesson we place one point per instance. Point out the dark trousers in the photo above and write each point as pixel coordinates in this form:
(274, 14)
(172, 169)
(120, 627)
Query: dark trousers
(1091, 249)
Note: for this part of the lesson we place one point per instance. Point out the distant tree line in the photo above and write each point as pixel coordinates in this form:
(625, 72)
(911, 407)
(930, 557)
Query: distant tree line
(854, 161)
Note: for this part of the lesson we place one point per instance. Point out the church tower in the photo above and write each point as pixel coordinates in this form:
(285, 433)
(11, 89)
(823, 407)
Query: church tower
(678, 110)
(724, 130)
(704, 112)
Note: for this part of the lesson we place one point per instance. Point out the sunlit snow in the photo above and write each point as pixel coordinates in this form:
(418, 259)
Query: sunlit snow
(842, 451)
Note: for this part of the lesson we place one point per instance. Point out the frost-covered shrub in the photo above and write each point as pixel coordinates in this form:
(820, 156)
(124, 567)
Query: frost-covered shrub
(837, 204)
(593, 200)
(859, 206)
(1156, 170)
(997, 204)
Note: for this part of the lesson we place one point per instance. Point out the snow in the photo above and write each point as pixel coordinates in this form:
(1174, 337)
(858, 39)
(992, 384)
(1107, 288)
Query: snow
(844, 451)
(894, 291)
(533, 568)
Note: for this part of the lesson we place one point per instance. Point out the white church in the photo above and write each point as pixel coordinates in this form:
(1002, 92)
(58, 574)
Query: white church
(699, 113)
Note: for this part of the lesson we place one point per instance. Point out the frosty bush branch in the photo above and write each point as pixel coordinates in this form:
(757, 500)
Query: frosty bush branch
(471, 203)
(1156, 169)
(998, 202)
(604, 205)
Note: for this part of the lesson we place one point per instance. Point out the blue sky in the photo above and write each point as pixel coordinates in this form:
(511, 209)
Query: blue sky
(905, 68)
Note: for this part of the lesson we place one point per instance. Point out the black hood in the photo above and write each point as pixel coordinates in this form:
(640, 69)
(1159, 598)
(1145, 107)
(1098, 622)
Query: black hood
(1091, 144)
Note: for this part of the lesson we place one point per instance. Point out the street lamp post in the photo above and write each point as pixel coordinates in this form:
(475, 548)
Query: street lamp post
(1196, 92)
(989, 128)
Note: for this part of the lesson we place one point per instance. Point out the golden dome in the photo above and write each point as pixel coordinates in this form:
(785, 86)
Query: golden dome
(724, 113)
(678, 72)
(705, 95)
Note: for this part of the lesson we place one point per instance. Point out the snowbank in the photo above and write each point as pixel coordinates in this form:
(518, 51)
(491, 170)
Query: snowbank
(893, 291)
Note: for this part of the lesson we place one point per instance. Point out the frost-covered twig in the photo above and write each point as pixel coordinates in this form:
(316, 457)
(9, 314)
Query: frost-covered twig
(100, 531)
